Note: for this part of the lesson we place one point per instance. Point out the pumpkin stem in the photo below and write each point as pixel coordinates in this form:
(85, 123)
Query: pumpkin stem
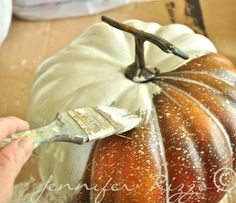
(138, 71)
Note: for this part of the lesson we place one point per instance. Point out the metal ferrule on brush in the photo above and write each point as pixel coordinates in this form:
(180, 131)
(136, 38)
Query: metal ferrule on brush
(93, 123)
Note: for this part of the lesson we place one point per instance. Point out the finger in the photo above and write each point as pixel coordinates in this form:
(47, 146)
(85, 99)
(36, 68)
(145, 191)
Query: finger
(12, 157)
(10, 125)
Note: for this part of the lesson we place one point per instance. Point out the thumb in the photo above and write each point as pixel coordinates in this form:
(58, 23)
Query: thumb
(12, 158)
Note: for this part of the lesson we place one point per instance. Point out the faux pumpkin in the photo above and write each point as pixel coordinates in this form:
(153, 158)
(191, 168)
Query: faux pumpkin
(187, 140)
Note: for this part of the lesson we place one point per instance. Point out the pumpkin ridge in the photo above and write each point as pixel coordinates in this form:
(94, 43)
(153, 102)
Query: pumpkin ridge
(207, 73)
(171, 98)
(72, 95)
(227, 90)
(144, 113)
(166, 59)
(91, 195)
(193, 158)
(89, 38)
(205, 63)
(223, 109)
(207, 111)
(162, 150)
(182, 79)
(210, 88)
(131, 146)
(219, 86)
(184, 30)
(106, 56)
(226, 157)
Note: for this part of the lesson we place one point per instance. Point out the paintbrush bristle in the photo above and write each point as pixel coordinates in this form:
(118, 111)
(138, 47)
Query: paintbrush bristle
(101, 122)
(121, 119)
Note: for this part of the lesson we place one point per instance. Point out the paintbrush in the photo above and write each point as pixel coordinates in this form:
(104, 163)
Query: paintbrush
(81, 125)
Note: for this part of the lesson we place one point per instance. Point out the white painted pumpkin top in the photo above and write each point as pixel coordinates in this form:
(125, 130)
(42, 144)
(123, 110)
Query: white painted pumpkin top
(90, 71)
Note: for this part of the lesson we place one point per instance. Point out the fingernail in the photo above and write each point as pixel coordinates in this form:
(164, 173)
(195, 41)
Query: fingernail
(26, 144)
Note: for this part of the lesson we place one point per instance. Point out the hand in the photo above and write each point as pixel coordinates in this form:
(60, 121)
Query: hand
(12, 156)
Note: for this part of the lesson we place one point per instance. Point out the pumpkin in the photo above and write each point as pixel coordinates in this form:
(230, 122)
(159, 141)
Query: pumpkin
(182, 152)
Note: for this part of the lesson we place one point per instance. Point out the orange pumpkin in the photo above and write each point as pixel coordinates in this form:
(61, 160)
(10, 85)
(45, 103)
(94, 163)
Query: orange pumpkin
(185, 150)
(178, 154)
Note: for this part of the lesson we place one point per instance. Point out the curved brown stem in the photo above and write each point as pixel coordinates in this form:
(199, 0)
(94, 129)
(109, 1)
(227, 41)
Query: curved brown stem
(138, 69)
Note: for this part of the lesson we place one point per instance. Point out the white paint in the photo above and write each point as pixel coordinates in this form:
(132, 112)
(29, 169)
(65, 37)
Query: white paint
(123, 117)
